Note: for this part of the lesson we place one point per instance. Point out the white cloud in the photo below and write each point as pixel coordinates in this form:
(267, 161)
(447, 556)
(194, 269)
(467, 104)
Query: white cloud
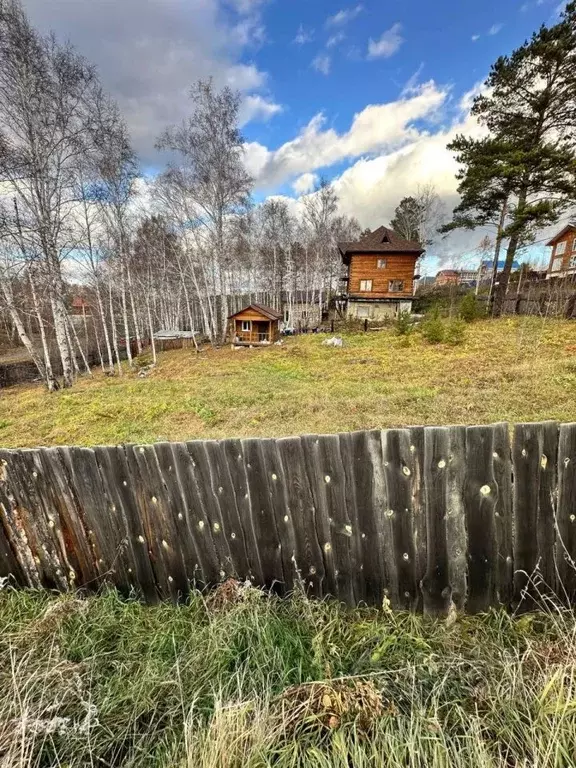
(475, 37)
(322, 63)
(495, 28)
(256, 107)
(344, 16)
(377, 128)
(305, 183)
(303, 36)
(169, 45)
(387, 45)
(335, 39)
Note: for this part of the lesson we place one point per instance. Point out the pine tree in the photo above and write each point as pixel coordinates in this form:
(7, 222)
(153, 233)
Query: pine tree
(523, 175)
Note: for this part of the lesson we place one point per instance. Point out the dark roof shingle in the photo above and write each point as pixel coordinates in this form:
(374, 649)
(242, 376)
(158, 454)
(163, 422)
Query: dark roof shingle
(382, 240)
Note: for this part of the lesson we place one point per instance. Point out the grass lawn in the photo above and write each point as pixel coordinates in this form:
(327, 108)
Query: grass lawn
(260, 682)
(520, 369)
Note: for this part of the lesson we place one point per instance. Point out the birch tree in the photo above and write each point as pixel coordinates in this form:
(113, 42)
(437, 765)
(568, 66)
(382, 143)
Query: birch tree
(211, 174)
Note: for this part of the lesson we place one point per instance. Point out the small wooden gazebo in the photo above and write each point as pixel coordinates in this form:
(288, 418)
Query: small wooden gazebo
(255, 325)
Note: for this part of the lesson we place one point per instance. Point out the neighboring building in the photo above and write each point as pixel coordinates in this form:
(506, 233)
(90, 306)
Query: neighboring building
(563, 256)
(255, 325)
(171, 339)
(302, 310)
(80, 306)
(380, 276)
(448, 277)
(487, 267)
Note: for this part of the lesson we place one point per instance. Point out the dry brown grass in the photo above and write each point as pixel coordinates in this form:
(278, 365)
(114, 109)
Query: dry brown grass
(517, 369)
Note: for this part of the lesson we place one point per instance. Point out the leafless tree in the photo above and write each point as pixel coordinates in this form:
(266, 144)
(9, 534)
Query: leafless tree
(210, 173)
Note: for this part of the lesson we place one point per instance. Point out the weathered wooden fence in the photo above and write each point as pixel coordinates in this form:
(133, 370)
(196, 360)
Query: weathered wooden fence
(421, 516)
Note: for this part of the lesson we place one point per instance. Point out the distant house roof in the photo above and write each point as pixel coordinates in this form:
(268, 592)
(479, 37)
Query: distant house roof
(79, 302)
(171, 334)
(268, 312)
(489, 264)
(567, 228)
(382, 240)
(448, 273)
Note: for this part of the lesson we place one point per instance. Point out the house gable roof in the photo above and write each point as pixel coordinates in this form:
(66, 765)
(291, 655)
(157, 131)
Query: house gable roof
(267, 312)
(382, 240)
(567, 228)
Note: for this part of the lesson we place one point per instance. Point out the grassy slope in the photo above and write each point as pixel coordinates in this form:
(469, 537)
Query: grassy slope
(513, 369)
(107, 683)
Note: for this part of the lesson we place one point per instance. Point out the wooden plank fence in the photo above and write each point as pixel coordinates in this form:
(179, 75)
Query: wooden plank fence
(421, 517)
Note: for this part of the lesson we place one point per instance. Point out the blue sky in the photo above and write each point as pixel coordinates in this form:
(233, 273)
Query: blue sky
(365, 93)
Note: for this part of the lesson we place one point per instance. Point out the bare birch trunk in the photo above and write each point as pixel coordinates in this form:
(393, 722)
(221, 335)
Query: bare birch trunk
(49, 377)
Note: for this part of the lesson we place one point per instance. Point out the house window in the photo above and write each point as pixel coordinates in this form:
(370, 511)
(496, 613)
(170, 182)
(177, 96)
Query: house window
(560, 248)
(365, 285)
(574, 244)
(363, 312)
(572, 262)
(246, 324)
(396, 286)
(557, 265)
(381, 263)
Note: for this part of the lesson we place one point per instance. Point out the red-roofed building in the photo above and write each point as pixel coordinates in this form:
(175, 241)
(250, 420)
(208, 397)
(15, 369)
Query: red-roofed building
(380, 277)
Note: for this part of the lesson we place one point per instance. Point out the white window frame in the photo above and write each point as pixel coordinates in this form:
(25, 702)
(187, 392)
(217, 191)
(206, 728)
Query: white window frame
(557, 264)
(366, 286)
(560, 248)
(400, 289)
(246, 326)
(572, 262)
(381, 264)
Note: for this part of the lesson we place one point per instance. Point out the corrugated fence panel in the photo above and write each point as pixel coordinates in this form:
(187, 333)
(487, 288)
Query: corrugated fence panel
(431, 519)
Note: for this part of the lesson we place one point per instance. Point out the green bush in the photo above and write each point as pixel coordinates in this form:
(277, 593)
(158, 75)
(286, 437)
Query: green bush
(470, 309)
(403, 324)
(454, 332)
(433, 329)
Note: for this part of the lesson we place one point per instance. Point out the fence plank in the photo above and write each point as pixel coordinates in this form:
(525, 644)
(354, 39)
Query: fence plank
(99, 515)
(225, 497)
(328, 481)
(161, 534)
(234, 454)
(118, 484)
(211, 512)
(34, 523)
(436, 588)
(278, 484)
(481, 495)
(534, 453)
(263, 519)
(309, 562)
(350, 502)
(418, 510)
(565, 554)
(368, 478)
(399, 471)
(502, 471)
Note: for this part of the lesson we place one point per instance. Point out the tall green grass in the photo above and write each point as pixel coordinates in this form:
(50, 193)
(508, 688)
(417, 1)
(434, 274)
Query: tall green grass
(260, 682)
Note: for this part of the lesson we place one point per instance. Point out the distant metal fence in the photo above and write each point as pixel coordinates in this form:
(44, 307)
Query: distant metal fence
(421, 517)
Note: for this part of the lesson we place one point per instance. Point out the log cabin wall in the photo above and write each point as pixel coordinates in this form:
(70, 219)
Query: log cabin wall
(364, 266)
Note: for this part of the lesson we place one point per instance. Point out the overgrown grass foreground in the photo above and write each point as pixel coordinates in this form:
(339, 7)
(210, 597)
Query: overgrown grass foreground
(512, 369)
(255, 681)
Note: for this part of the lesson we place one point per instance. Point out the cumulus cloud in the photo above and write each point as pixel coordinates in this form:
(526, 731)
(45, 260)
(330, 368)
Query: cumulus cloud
(475, 37)
(305, 183)
(257, 107)
(344, 16)
(322, 63)
(387, 44)
(377, 128)
(149, 53)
